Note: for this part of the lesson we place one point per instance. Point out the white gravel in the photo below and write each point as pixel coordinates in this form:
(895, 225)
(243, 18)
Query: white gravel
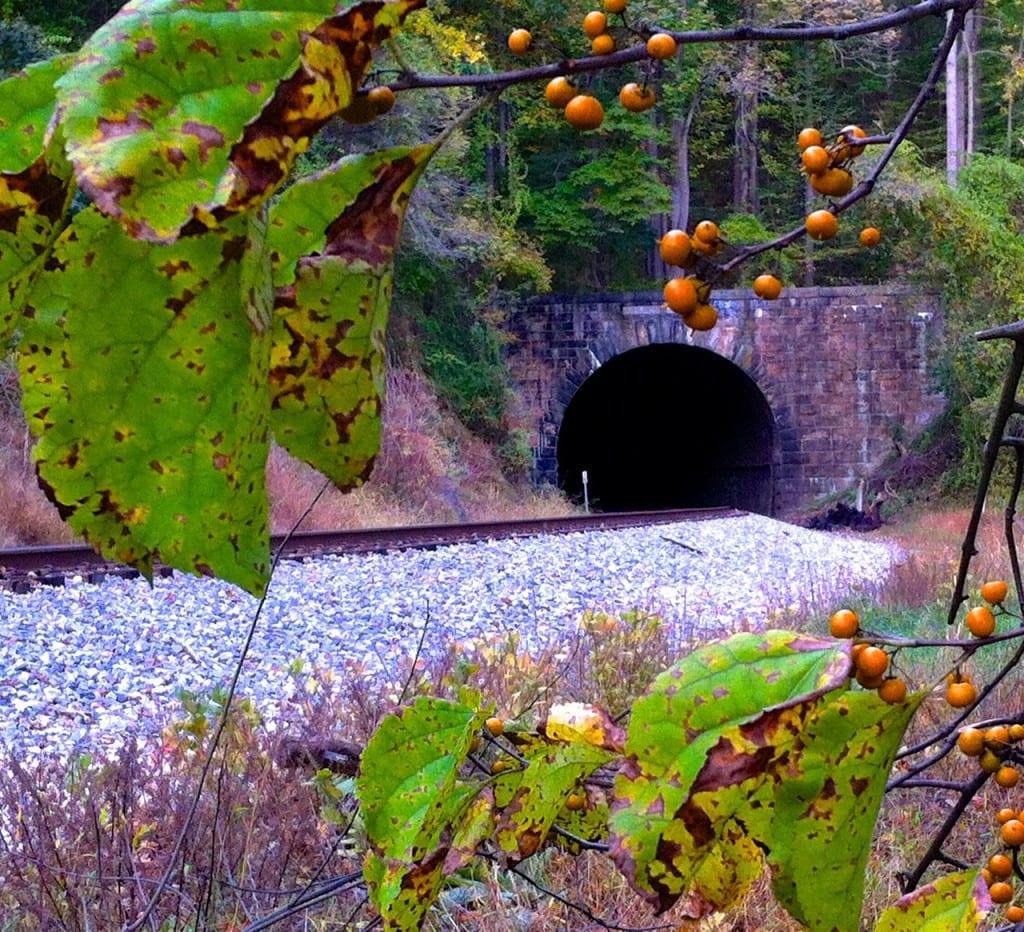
(84, 665)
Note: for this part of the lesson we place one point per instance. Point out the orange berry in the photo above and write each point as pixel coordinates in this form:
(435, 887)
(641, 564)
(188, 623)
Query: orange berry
(872, 661)
(495, 726)
(809, 137)
(661, 45)
(893, 690)
(499, 766)
(870, 681)
(821, 224)
(1017, 732)
(833, 182)
(767, 286)
(681, 295)
(870, 237)
(576, 802)
(584, 112)
(560, 91)
(971, 741)
(519, 41)
(381, 98)
(995, 592)
(707, 232)
(603, 44)
(1007, 776)
(1004, 815)
(815, 159)
(997, 737)
(961, 694)
(595, 23)
(615, 6)
(855, 131)
(703, 318)
(980, 621)
(1015, 913)
(1012, 833)
(637, 99)
(1000, 866)
(1001, 892)
(674, 247)
(844, 623)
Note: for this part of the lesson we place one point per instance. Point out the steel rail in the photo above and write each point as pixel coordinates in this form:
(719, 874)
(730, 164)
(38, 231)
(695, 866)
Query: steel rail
(16, 562)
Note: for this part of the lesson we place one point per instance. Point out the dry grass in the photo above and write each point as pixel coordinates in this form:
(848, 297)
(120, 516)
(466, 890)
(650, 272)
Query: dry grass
(430, 471)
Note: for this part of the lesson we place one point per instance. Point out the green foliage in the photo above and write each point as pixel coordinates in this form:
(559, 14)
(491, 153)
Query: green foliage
(966, 241)
(21, 43)
(749, 751)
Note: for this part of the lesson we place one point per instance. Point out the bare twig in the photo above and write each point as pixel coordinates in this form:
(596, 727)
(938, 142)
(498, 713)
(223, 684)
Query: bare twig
(222, 721)
(798, 32)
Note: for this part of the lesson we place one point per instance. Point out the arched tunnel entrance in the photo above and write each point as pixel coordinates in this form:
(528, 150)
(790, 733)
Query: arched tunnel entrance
(668, 426)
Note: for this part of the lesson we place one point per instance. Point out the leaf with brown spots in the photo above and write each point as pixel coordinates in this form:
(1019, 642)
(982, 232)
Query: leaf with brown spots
(415, 807)
(332, 237)
(34, 182)
(553, 770)
(954, 903)
(145, 382)
(179, 113)
(753, 748)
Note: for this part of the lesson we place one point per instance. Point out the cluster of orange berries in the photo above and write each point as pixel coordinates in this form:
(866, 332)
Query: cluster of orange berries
(990, 745)
(584, 111)
(826, 167)
(687, 295)
(1001, 868)
(870, 662)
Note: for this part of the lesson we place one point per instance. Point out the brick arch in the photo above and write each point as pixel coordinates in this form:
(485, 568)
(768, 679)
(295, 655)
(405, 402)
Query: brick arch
(668, 426)
(847, 372)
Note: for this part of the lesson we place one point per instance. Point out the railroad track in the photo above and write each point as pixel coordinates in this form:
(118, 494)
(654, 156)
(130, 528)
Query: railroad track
(21, 568)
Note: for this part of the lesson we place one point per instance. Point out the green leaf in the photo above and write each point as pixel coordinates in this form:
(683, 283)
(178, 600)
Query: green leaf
(27, 103)
(34, 178)
(747, 747)
(553, 771)
(826, 804)
(146, 384)
(23, 251)
(413, 803)
(332, 237)
(182, 111)
(954, 903)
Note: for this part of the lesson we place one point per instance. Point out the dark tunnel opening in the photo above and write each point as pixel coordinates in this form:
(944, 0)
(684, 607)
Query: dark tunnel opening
(668, 426)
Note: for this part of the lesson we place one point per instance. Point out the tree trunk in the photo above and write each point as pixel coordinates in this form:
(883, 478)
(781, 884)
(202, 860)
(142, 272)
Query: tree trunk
(744, 178)
(679, 219)
(962, 98)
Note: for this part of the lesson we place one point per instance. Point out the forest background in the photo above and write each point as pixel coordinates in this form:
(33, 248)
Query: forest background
(520, 203)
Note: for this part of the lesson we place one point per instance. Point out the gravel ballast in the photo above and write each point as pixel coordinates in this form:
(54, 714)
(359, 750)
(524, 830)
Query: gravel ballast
(85, 665)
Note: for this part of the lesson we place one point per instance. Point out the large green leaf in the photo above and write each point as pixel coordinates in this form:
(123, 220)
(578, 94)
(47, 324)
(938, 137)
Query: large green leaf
(954, 903)
(181, 111)
(413, 803)
(146, 384)
(753, 747)
(332, 237)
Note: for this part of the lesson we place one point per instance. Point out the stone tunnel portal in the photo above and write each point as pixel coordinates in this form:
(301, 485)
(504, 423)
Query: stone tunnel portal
(668, 426)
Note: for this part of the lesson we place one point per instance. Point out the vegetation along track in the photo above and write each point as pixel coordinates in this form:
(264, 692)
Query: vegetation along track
(23, 567)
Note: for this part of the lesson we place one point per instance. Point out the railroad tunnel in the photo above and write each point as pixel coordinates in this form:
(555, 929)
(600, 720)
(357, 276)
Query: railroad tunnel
(668, 426)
